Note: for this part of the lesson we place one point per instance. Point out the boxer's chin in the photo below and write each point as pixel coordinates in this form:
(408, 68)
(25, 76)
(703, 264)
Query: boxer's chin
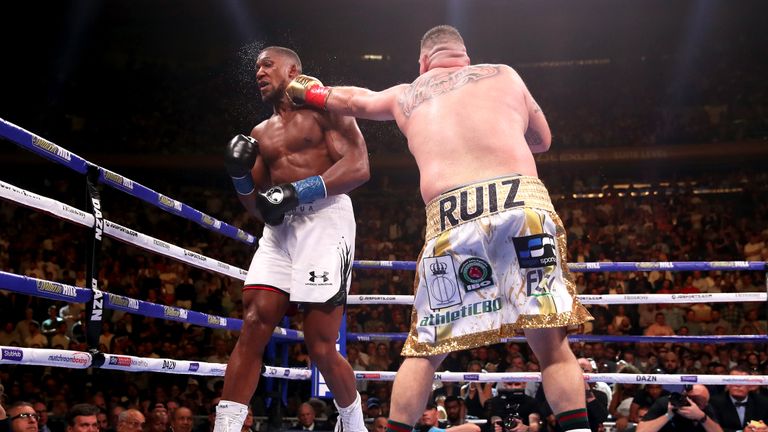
(269, 94)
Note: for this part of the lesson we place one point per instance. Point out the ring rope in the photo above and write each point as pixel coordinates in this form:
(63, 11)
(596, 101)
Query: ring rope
(118, 232)
(84, 360)
(62, 292)
(371, 337)
(49, 150)
(619, 266)
(591, 299)
(68, 293)
(146, 242)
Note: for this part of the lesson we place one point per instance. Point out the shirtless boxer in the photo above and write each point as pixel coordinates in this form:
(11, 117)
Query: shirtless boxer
(293, 172)
(494, 258)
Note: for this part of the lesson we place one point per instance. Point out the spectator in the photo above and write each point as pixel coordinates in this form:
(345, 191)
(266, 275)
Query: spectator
(372, 408)
(82, 418)
(512, 402)
(307, 420)
(114, 415)
(103, 420)
(43, 424)
(49, 326)
(21, 417)
(182, 420)
(9, 336)
(587, 365)
(379, 424)
(659, 327)
(60, 340)
(738, 406)
(697, 415)
(645, 398)
(476, 394)
(158, 421)
(455, 411)
(130, 420)
(429, 422)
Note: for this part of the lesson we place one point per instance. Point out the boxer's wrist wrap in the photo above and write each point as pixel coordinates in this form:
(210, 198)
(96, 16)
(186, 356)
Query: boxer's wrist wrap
(243, 185)
(317, 96)
(310, 189)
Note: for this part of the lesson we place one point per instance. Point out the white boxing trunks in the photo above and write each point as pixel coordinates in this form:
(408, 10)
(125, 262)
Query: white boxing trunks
(494, 262)
(309, 256)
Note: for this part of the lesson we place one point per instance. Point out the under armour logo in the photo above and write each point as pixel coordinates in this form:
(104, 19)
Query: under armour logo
(313, 277)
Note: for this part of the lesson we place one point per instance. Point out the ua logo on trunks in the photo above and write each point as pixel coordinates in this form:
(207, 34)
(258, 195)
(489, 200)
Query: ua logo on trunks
(313, 277)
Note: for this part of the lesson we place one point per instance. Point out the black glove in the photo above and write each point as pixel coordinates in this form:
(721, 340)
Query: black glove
(242, 152)
(274, 203)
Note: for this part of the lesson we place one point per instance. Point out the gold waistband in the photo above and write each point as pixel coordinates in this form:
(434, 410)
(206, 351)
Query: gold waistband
(485, 198)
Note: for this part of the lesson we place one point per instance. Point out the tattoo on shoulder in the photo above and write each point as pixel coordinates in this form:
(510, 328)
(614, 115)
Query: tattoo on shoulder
(423, 90)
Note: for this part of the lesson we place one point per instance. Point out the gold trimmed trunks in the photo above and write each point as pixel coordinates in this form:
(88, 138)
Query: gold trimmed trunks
(494, 262)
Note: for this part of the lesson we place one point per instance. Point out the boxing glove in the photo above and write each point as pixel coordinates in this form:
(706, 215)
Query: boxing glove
(274, 203)
(308, 90)
(242, 152)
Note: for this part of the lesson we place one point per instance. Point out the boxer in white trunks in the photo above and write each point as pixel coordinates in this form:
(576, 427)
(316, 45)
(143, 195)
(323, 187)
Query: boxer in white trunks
(292, 172)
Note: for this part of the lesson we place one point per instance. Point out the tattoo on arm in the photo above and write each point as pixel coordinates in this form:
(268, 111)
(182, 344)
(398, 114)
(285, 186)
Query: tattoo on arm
(423, 90)
(536, 107)
(533, 138)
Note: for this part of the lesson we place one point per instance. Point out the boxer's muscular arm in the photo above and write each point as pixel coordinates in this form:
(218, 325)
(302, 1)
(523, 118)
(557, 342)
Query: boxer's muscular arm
(364, 103)
(538, 136)
(347, 147)
(261, 179)
(348, 101)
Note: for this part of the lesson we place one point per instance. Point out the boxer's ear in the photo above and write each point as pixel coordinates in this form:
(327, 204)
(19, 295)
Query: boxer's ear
(423, 63)
(294, 71)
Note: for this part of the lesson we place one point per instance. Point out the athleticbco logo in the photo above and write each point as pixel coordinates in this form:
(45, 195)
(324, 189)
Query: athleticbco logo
(535, 251)
(442, 285)
(475, 273)
(313, 276)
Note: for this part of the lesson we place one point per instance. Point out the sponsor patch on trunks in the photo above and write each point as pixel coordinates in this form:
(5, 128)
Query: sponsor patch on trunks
(535, 251)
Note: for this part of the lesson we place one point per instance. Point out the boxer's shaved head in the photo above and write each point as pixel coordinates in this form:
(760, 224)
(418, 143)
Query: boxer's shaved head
(441, 35)
(285, 52)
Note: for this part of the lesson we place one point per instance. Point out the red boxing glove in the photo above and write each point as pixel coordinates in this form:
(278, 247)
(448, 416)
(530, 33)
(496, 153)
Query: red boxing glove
(308, 90)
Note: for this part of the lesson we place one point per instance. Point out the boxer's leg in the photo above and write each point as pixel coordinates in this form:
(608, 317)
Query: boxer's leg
(321, 329)
(412, 387)
(264, 307)
(561, 377)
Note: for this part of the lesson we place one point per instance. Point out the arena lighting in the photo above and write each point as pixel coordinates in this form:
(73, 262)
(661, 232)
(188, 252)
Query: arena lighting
(591, 195)
(709, 191)
(566, 63)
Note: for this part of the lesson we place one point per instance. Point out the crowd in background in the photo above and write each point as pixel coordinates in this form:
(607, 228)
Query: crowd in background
(657, 223)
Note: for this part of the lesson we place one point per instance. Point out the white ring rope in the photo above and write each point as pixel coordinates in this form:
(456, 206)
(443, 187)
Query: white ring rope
(195, 259)
(591, 299)
(118, 232)
(84, 360)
